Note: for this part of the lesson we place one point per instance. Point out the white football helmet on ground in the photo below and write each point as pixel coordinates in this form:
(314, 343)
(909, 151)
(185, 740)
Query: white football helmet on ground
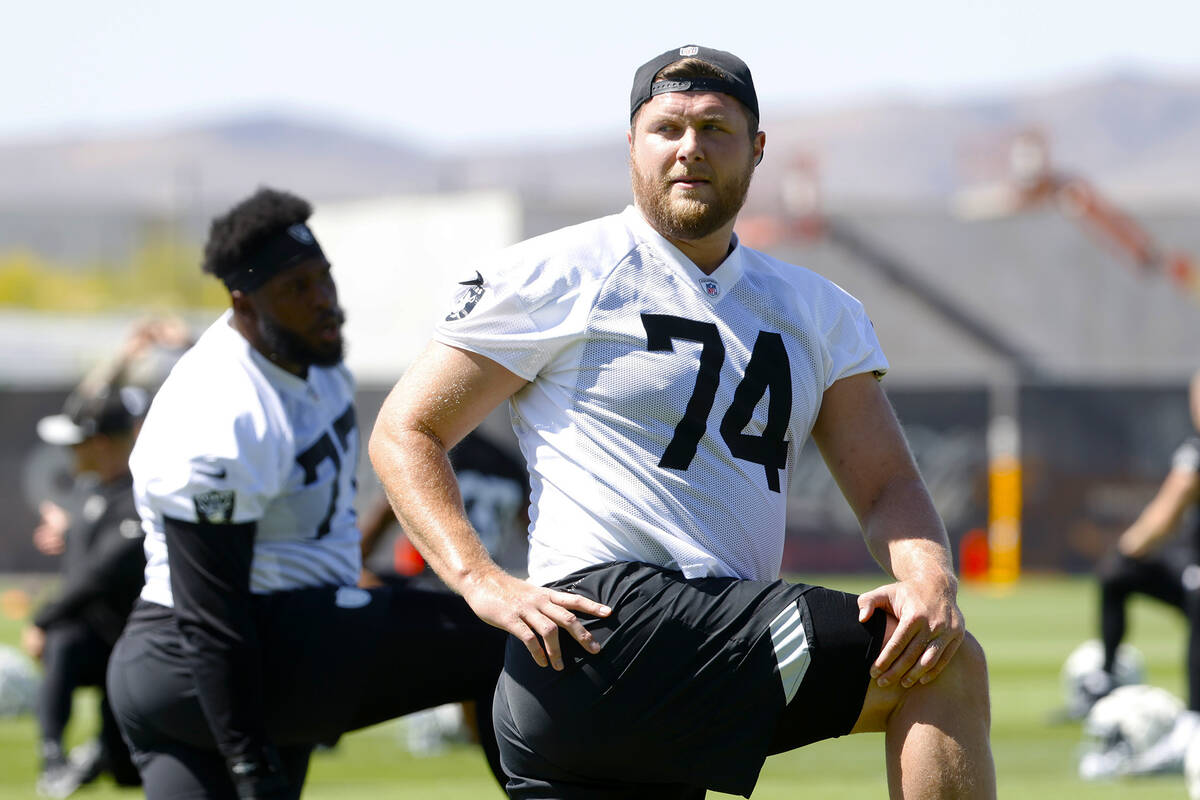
(19, 683)
(1084, 680)
(1135, 730)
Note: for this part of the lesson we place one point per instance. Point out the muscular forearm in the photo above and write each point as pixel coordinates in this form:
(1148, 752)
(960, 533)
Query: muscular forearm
(906, 535)
(423, 492)
(1160, 517)
(442, 397)
(1147, 532)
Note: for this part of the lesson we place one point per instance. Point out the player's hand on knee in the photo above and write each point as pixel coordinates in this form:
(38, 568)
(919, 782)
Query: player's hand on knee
(535, 614)
(929, 630)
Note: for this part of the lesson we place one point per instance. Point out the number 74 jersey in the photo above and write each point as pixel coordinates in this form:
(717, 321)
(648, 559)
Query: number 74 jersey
(666, 407)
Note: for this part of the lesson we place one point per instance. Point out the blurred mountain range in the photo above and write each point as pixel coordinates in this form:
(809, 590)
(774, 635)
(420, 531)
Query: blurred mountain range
(1137, 136)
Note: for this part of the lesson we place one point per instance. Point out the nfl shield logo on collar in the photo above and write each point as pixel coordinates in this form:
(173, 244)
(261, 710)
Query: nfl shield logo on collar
(710, 287)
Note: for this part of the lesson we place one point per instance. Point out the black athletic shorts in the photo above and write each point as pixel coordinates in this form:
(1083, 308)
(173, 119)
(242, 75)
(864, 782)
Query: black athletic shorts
(334, 660)
(690, 689)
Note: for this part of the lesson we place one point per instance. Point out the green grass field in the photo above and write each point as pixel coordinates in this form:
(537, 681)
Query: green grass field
(1027, 633)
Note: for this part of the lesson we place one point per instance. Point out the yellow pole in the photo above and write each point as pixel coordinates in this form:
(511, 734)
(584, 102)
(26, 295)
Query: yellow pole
(1004, 501)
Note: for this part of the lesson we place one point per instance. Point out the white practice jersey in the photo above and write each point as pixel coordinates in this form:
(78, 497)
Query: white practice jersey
(666, 407)
(232, 438)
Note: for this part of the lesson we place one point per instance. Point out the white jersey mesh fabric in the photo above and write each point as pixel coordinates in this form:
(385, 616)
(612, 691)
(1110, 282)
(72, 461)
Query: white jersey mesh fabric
(230, 437)
(666, 407)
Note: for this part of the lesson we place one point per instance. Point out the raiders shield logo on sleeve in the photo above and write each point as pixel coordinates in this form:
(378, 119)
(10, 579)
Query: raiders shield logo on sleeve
(215, 507)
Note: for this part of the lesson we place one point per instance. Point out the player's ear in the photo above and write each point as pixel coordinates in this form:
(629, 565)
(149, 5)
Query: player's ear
(243, 306)
(760, 144)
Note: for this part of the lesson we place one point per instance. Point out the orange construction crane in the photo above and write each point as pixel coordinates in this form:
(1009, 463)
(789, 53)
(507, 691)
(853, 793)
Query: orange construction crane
(1033, 182)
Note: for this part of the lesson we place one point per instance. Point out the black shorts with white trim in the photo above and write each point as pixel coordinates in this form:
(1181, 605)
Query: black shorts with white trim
(690, 691)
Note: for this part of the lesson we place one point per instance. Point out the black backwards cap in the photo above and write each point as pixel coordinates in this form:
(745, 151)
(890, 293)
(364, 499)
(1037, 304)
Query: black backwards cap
(736, 83)
(115, 409)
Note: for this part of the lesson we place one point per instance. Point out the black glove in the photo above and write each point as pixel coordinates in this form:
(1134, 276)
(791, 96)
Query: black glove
(259, 776)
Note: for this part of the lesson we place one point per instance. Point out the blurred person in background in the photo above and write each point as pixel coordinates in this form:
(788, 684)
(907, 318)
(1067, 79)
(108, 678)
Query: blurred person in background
(662, 378)
(145, 356)
(101, 543)
(250, 642)
(1160, 558)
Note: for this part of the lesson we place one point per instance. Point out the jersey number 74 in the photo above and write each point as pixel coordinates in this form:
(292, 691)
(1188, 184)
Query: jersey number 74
(768, 370)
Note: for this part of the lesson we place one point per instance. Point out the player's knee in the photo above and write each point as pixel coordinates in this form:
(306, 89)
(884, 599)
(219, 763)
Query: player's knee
(965, 679)
(959, 691)
(974, 661)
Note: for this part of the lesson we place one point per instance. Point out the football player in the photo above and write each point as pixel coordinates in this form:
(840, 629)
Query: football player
(250, 642)
(1153, 558)
(662, 378)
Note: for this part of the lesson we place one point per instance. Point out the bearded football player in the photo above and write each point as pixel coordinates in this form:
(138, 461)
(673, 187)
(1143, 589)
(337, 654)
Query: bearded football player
(662, 378)
(250, 642)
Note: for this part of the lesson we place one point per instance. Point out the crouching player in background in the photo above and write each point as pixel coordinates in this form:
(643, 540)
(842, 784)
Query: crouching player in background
(1153, 559)
(250, 642)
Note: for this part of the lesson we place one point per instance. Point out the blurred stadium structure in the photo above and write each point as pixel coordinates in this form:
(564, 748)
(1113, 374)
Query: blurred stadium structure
(1030, 365)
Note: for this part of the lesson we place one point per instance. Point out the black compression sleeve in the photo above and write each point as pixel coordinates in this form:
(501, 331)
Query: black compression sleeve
(210, 583)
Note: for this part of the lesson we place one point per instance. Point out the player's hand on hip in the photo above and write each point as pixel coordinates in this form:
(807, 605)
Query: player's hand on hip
(534, 614)
(929, 630)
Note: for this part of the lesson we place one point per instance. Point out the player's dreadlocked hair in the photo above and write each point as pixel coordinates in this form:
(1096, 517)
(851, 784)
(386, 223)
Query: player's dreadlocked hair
(687, 68)
(247, 225)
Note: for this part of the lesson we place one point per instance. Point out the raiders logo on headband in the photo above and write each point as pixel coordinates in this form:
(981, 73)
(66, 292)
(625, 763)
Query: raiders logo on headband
(302, 234)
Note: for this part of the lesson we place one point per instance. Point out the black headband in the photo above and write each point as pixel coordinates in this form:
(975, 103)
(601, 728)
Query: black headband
(280, 250)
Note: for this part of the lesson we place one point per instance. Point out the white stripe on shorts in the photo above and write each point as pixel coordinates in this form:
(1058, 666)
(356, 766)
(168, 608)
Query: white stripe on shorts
(791, 649)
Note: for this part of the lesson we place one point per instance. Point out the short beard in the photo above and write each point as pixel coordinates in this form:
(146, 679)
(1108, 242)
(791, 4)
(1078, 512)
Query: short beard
(687, 219)
(291, 348)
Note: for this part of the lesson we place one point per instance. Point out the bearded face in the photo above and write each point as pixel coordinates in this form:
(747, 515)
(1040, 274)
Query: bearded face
(296, 317)
(305, 350)
(678, 214)
(691, 161)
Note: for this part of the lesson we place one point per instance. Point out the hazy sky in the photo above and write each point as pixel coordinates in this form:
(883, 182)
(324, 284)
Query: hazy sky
(441, 73)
